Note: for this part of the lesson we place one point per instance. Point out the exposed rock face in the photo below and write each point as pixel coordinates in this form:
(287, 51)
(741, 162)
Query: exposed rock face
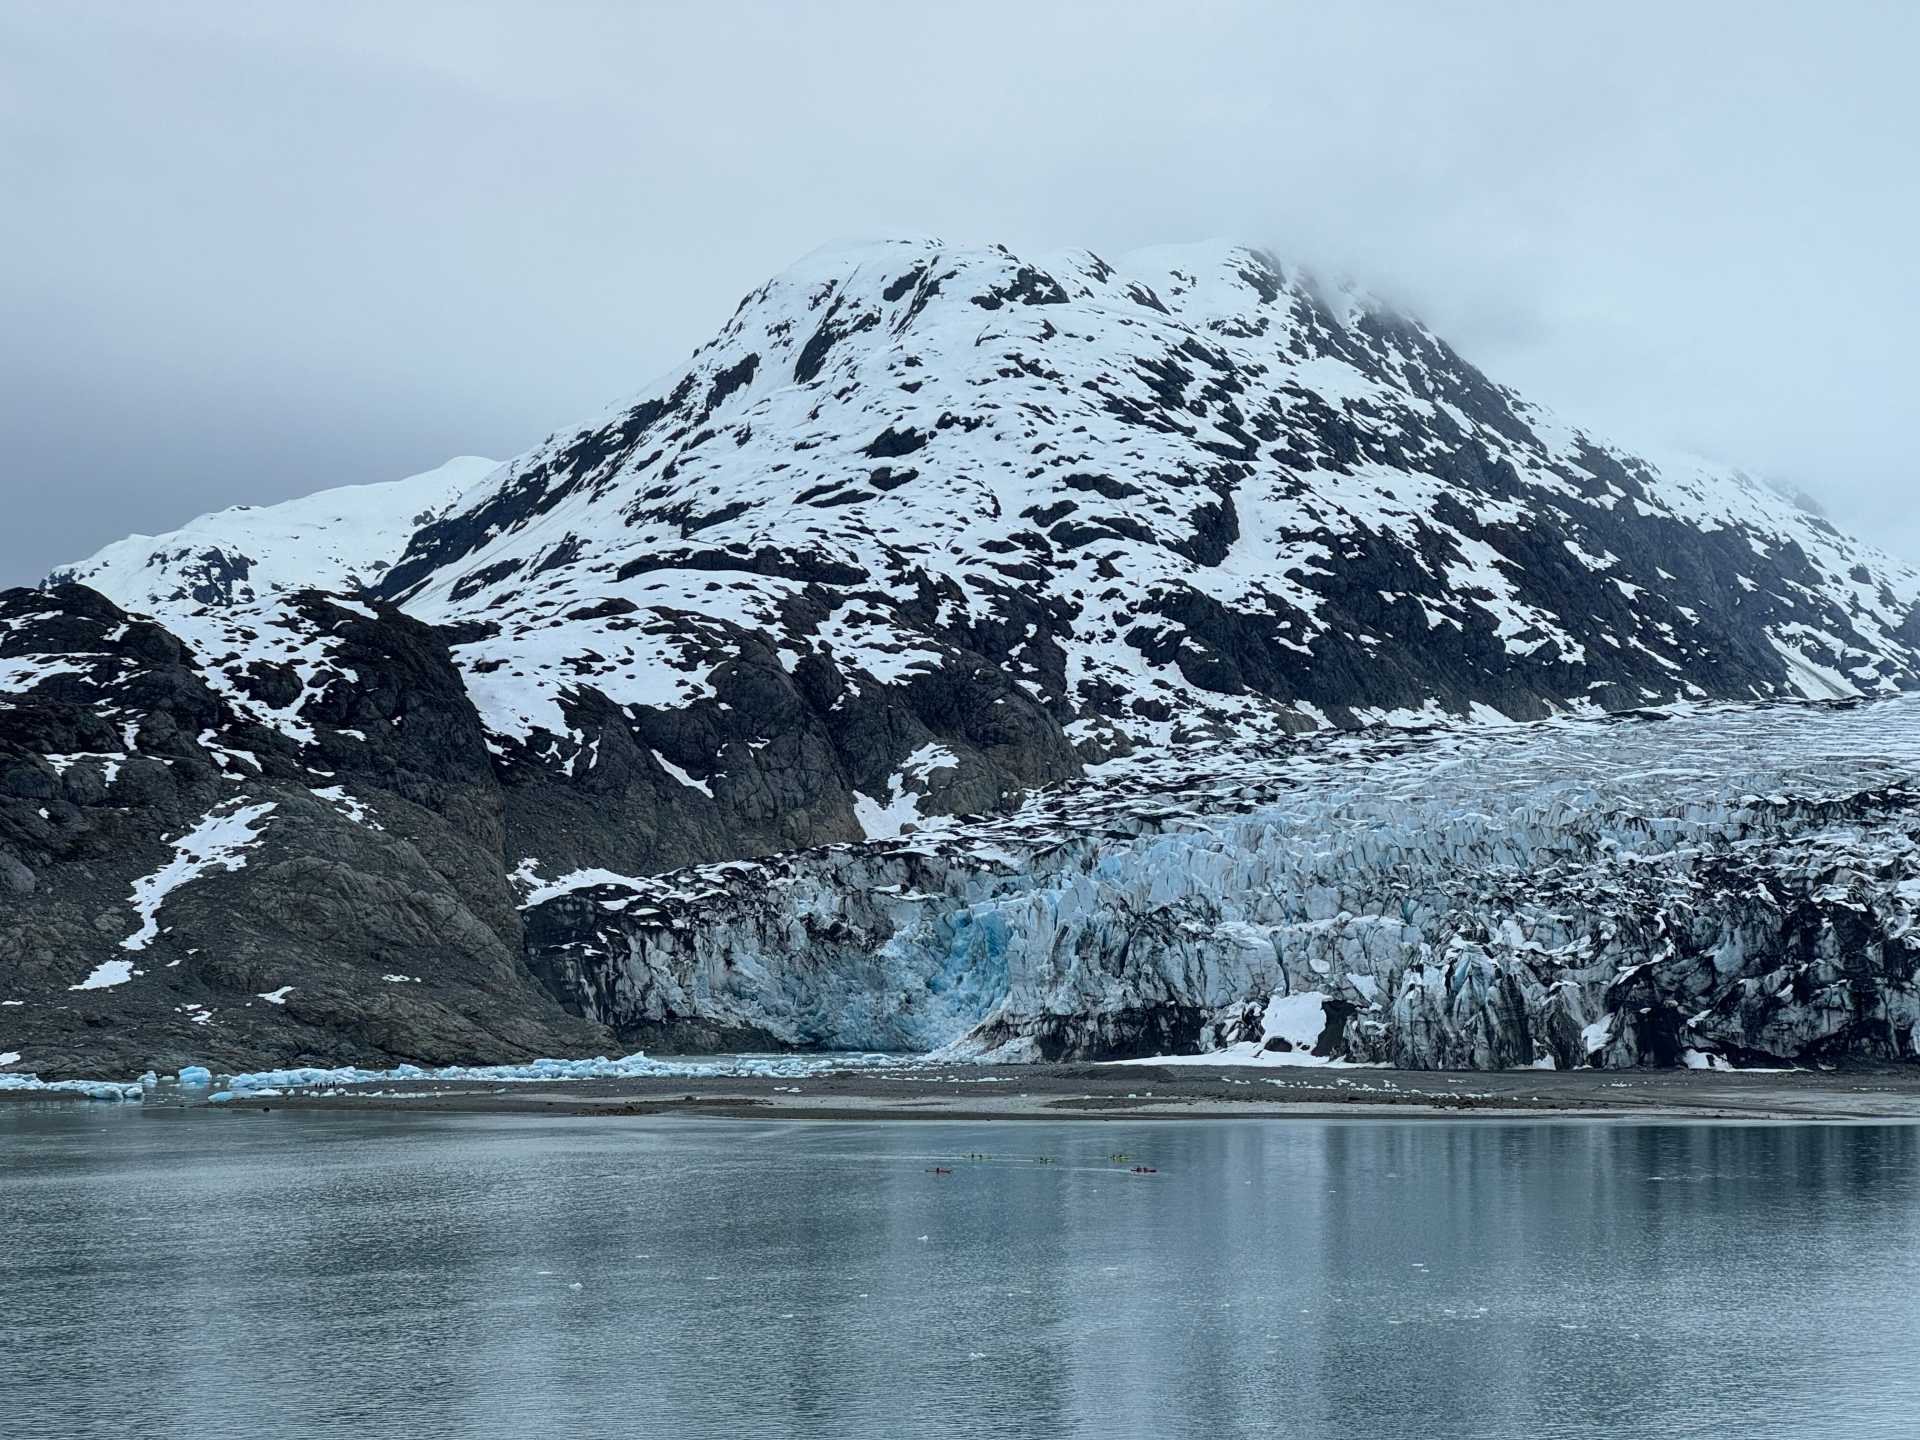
(1735, 885)
(922, 530)
(172, 862)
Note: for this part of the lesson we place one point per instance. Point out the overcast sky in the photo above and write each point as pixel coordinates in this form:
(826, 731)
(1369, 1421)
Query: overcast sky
(249, 251)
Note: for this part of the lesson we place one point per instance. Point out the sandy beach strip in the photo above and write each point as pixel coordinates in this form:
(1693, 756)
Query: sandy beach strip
(1102, 1092)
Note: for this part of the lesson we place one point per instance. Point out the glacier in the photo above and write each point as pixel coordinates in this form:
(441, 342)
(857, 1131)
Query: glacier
(1716, 884)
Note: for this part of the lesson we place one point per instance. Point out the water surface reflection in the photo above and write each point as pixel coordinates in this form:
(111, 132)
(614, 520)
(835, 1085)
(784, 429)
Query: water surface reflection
(333, 1275)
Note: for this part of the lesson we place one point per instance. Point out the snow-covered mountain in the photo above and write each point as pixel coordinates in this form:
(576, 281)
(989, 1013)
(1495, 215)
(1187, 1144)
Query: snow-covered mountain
(341, 540)
(922, 529)
(1189, 493)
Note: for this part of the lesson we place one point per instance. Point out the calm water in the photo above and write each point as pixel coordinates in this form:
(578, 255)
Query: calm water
(326, 1275)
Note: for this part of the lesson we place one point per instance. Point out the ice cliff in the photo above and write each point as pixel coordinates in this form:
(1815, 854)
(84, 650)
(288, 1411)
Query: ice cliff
(1732, 885)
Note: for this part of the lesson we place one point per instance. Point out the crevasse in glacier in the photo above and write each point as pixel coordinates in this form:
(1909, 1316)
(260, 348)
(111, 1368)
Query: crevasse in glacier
(1721, 884)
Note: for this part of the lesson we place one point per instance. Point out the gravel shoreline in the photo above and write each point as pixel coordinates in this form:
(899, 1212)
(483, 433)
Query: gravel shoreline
(1106, 1092)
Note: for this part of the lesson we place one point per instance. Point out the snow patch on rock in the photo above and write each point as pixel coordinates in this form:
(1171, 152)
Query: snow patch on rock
(219, 842)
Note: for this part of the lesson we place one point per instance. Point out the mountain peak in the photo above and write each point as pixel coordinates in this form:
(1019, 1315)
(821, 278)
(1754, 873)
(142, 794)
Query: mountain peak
(342, 539)
(1187, 490)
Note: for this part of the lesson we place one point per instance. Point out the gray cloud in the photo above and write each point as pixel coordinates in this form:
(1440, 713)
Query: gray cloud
(253, 251)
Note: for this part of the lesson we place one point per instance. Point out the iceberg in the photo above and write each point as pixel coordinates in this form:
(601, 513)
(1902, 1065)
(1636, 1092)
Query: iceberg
(86, 1089)
(627, 1067)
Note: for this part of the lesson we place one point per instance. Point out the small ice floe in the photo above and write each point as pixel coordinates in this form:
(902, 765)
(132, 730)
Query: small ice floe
(637, 1065)
(195, 1075)
(16, 1083)
(227, 1097)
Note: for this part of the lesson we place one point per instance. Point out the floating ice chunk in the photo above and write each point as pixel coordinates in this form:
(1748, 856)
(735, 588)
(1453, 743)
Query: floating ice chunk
(635, 1066)
(257, 1084)
(88, 1089)
(227, 1097)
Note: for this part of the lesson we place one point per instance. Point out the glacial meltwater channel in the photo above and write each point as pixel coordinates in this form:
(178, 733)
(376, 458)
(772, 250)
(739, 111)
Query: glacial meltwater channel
(207, 1275)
